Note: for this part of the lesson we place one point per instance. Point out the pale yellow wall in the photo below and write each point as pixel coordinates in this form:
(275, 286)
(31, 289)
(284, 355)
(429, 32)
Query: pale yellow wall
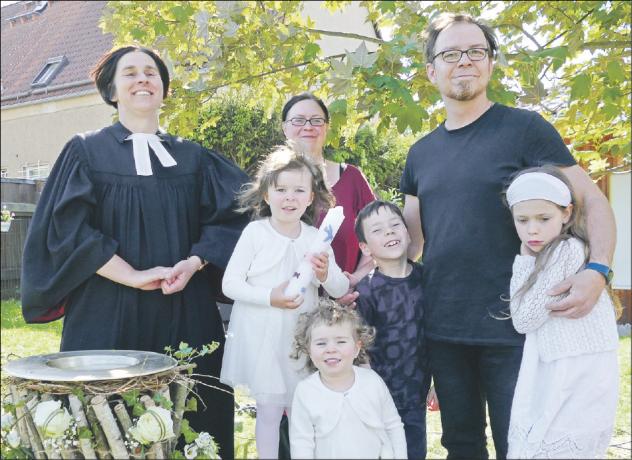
(620, 187)
(350, 19)
(38, 132)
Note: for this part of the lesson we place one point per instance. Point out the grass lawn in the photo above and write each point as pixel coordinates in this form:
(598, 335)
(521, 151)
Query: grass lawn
(23, 340)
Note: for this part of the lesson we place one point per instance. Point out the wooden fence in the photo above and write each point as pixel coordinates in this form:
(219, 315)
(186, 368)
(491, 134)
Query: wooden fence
(20, 197)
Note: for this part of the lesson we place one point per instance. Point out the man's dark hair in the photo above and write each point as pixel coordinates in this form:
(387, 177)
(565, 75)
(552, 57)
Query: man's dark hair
(105, 70)
(304, 97)
(446, 19)
(372, 208)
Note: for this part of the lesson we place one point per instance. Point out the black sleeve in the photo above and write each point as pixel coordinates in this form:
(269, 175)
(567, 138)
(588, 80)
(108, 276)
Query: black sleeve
(544, 145)
(408, 183)
(62, 250)
(221, 224)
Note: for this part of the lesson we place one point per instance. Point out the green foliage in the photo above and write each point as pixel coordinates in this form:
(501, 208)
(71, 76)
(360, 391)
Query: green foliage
(235, 127)
(163, 401)
(381, 157)
(568, 60)
(186, 354)
(189, 433)
(191, 405)
(83, 432)
(132, 399)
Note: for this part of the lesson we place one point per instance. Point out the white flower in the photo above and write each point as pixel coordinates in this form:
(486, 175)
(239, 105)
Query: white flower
(13, 438)
(7, 421)
(190, 451)
(204, 440)
(52, 419)
(153, 426)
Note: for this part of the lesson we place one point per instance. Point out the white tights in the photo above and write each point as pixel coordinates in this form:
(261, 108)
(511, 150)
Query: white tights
(267, 429)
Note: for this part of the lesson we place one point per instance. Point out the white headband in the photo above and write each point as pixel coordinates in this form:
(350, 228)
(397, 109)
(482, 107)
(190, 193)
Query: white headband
(538, 186)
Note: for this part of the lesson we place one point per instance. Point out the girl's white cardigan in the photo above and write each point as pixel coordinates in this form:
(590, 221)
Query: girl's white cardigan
(560, 337)
(317, 410)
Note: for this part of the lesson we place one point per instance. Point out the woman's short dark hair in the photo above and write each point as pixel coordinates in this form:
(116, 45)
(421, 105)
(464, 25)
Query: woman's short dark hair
(446, 19)
(304, 97)
(104, 71)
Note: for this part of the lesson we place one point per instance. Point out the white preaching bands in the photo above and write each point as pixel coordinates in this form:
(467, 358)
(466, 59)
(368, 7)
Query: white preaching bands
(141, 143)
(538, 186)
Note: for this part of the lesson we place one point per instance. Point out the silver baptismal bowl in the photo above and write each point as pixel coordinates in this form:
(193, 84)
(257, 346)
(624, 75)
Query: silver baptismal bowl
(89, 365)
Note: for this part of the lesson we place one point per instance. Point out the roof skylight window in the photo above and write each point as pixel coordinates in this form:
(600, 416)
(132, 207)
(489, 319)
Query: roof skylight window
(50, 70)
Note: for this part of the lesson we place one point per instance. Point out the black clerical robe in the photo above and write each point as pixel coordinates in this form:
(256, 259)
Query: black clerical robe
(93, 206)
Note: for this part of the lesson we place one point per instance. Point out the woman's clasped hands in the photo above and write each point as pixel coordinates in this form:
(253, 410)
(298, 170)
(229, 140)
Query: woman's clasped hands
(169, 279)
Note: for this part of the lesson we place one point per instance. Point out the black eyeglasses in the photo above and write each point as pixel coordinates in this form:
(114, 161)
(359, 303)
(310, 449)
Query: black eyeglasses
(452, 56)
(302, 121)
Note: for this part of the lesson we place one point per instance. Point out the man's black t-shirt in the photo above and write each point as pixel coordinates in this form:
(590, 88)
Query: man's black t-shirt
(469, 237)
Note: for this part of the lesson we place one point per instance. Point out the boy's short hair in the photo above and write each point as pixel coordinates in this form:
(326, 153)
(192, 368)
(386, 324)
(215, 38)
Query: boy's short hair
(372, 208)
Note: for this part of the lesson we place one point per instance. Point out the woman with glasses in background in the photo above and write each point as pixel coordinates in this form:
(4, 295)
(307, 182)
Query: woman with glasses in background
(306, 120)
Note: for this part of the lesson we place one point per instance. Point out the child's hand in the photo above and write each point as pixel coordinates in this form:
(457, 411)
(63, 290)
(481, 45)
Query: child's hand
(280, 300)
(432, 402)
(320, 265)
(349, 299)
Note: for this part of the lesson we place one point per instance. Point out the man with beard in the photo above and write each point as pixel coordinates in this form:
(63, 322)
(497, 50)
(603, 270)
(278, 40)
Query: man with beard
(452, 182)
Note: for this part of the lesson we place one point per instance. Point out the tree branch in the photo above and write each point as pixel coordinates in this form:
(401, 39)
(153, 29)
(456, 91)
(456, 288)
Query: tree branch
(520, 28)
(333, 33)
(270, 72)
(610, 44)
(568, 30)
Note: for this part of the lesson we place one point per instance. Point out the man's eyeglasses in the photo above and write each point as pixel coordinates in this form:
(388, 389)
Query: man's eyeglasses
(452, 56)
(302, 121)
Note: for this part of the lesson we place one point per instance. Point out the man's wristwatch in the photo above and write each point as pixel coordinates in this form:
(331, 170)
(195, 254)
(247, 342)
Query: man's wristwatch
(601, 268)
(204, 262)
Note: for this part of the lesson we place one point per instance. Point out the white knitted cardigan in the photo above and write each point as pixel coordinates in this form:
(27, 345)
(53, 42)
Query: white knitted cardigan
(560, 337)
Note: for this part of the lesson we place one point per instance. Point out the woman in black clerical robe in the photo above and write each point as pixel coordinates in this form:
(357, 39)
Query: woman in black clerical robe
(124, 228)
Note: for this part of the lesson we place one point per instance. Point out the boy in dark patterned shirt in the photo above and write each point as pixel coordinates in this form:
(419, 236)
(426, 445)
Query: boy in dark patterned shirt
(390, 300)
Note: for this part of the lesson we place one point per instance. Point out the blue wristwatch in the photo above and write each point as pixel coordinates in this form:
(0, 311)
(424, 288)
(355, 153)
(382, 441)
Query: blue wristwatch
(603, 269)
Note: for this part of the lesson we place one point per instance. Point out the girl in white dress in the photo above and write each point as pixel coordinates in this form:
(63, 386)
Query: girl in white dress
(341, 411)
(566, 396)
(287, 190)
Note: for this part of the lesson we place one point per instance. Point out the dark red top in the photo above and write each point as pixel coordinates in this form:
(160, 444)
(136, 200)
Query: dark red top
(352, 192)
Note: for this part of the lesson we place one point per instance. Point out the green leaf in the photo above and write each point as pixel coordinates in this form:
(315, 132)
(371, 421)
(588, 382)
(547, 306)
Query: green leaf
(78, 392)
(387, 7)
(138, 33)
(581, 86)
(131, 397)
(83, 432)
(615, 71)
(361, 57)
(138, 410)
(189, 433)
(311, 51)
(191, 405)
(162, 401)
(180, 13)
(342, 69)
(161, 28)
(339, 106)
(559, 52)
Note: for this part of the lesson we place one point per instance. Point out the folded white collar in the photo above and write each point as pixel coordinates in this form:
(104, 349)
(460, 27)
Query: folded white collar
(141, 143)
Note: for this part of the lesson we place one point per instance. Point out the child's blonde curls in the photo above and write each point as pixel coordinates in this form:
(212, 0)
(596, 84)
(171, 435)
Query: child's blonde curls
(330, 313)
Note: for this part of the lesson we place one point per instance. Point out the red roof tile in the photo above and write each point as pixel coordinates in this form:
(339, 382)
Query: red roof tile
(68, 28)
